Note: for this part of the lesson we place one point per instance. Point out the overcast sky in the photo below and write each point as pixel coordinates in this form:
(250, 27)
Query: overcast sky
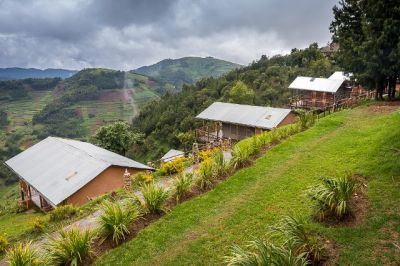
(126, 34)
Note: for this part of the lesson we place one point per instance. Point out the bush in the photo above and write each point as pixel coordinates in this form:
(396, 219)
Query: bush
(241, 155)
(115, 220)
(205, 154)
(333, 196)
(295, 235)
(205, 174)
(62, 212)
(220, 165)
(3, 242)
(154, 198)
(38, 225)
(172, 167)
(264, 253)
(71, 247)
(22, 255)
(182, 186)
(307, 119)
(137, 180)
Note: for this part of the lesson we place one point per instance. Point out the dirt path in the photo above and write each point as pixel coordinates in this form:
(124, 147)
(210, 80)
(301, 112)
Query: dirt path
(128, 93)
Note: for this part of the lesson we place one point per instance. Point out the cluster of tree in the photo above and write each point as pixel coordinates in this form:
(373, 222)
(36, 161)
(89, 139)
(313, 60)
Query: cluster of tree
(3, 118)
(59, 117)
(118, 137)
(170, 121)
(368, 32)
(11, 90)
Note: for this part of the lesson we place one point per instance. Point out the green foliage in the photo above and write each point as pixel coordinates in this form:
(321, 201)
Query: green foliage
(22, 254)
(293, 232)
(182, 186)
(117, 137)
(3, 118)
(205, 174)
(62, 212)
(3, 242)
(241, 94)
(71, 247)
(333, 196)
(172, 167)
(115, 220)
(368, 33)
(141, 178)
(154, 198)
(221, 167)
(307, 119)
(38, 225)
(264, 253)
(241, 155)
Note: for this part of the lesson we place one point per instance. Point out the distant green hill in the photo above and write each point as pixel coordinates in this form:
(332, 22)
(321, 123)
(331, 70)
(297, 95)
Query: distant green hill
(187, 69)
(24, 73)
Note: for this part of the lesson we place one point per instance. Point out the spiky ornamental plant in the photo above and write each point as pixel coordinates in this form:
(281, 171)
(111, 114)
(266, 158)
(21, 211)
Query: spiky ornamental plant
(333, 196)
(220, 165)
(22, 255)
(260, 252)
(182, 186)
(115, 220)
(154, 198)
(205, 174)
(71, 247)
(293, 232)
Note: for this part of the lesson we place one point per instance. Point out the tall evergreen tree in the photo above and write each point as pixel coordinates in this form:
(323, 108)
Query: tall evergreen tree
(368, 32)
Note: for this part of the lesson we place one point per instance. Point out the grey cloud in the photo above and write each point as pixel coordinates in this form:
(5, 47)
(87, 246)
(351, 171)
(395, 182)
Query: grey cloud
(126, 34)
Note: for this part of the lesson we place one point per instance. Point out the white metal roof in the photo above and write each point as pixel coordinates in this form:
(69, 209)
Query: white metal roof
(316, 84)
(340, 75)
(58, 168)
(247, 115)
(171, 155)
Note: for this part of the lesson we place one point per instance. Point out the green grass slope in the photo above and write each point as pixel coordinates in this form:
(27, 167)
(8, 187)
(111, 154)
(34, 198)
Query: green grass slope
(187, 69)
(200, 231)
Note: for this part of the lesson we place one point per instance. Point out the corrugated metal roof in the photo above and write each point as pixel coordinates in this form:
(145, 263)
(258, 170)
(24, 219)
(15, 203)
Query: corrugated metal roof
(58, 168)
(247, 115)
(171, 155)
(316, 84)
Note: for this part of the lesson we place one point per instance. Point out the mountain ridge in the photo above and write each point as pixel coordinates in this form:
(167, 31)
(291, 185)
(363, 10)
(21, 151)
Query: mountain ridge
(15, 73)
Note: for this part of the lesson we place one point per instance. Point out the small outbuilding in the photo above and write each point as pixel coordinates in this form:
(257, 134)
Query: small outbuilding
(59, 171)
(238, 121)
(172, 155)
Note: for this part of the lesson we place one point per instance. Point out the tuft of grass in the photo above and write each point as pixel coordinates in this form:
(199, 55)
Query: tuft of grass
(38, 225)
(154, 198)
(115, 220)
(22, 254)
(182, 186)
(333, 196)
(205, 174)
(293, 232)
(3, 242)
(260, 252)
(71, 247)
(62, 212)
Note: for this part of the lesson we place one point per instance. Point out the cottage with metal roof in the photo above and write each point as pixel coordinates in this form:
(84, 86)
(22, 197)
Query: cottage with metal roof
(238, 121)
(320, 93)
(59, 171)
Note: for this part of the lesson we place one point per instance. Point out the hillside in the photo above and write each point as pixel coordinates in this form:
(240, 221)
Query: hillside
(266, 79)
(357, 141)
(186, 70)
(32, 109)
(24, 73)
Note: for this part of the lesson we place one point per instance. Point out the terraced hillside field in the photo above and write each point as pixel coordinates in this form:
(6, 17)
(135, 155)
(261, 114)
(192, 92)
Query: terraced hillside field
(362, 141)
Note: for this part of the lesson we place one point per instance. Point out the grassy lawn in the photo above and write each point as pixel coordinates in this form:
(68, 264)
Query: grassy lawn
(201, 231)
(16, 225)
